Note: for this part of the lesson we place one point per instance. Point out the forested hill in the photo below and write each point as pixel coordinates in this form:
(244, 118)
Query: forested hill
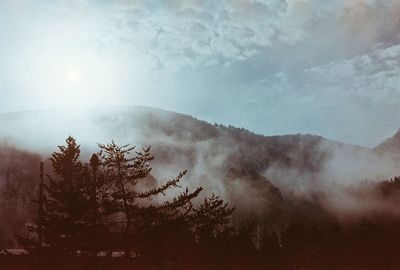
(263, 176)
(177, 139)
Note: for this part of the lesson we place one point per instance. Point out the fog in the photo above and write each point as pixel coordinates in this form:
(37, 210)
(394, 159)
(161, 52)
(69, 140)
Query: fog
(218, 159)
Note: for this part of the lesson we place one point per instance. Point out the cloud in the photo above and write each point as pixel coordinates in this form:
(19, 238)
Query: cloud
(374, 75)
(307, 66)
(195, 33)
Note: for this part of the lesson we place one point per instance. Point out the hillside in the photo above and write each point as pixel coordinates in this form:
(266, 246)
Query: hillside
(390, 146)
(270, 178)
(182, 141)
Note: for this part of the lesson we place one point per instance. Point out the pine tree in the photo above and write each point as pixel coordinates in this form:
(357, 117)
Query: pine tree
(106, 205)
(211, 222)
(67, 221)
(136, 218)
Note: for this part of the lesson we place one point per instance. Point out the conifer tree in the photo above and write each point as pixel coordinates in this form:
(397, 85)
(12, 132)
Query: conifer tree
(67, 214)
(135, 215)
(211, 222)
(106, 205)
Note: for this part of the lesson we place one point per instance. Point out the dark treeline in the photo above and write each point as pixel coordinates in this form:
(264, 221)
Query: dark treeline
(112, 206)
(18, 187)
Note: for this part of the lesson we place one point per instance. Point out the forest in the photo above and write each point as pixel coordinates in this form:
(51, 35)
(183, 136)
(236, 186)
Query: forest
(199, 134)
(111, 213)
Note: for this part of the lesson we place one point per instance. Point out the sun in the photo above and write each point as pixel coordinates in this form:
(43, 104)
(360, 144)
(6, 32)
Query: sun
(61, 76)
(73, 76)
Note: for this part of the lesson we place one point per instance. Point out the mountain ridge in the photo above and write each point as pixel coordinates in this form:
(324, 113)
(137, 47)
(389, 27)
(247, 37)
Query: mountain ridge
(185, 140)
(269, 177)
(149, 109)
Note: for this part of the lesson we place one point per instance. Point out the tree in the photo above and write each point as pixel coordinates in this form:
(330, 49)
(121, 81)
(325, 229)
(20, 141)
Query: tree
(211, 222)
(66, 224)
(135, 218)
(113, 203)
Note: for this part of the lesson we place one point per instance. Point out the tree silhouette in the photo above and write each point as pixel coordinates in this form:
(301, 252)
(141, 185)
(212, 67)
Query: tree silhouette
(66, 221)
(113, 203)
(135, 219)
(212, 221)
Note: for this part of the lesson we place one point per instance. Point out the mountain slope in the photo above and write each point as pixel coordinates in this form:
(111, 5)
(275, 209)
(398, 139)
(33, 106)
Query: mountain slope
(182, 141)
(390, 146)
(273, 178)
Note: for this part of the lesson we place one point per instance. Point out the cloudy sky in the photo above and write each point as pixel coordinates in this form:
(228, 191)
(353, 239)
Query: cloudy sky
(272, 66)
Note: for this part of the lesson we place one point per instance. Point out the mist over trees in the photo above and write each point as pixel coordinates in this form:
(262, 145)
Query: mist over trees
(113, 204)
(18, 187)
(297, 199)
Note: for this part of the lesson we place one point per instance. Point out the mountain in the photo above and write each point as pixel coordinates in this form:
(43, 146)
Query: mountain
(274, 178)
(390, 146)
(182, 141)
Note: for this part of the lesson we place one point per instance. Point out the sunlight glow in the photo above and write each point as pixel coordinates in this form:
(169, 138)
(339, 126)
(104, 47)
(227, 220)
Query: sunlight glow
(73, 76)
(60, 69)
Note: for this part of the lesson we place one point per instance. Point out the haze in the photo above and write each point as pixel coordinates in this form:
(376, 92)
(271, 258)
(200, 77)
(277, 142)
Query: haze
(271, 66)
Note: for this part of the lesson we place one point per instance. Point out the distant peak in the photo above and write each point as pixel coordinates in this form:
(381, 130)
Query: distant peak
(390, 145)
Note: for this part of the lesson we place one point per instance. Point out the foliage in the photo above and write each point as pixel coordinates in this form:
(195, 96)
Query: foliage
(113, 198)
(211, 221)
(135, 216)
(66, 223)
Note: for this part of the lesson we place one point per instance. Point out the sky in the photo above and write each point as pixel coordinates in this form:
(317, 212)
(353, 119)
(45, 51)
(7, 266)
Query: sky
(272, 66)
